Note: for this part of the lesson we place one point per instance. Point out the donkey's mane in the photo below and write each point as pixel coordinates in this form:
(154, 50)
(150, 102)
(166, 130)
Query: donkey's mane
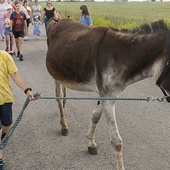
(155, 26)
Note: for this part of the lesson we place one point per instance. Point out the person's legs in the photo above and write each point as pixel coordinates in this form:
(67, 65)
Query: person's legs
(1, 155)
(46, 24)
(21, 36)
(6, 118)
(19, 43)
(7, 38)
(16, 40)
(1, 158)
(20, 39)
(1, 149)
(2, 30)
(12, 51)
(26, 32)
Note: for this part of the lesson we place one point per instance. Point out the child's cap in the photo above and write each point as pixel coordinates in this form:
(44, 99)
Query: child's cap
(9, 6)
(36, 17)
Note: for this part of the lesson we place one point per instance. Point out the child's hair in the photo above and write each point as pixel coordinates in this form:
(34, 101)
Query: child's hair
(84, 10)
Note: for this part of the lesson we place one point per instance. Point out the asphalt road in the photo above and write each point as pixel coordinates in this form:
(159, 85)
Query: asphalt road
(37, 144)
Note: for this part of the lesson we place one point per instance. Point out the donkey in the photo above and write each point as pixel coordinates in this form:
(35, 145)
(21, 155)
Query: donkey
(105, 60)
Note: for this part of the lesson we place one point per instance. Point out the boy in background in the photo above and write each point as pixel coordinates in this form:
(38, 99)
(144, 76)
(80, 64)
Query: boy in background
(18, 27)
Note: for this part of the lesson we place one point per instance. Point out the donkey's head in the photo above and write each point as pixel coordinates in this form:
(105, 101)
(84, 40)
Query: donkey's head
(51, 23)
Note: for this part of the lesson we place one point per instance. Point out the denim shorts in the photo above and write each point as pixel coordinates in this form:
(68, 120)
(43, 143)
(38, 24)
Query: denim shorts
(7, 31)
(5, 114)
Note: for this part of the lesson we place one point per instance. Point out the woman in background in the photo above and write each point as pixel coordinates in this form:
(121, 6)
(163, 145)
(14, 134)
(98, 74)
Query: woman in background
(37, 10)
(85, 17)
(27, 10)
(49, 12)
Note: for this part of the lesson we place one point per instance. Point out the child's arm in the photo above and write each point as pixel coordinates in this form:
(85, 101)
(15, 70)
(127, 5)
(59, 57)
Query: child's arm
(11, 22)
(31, 19)
(42, 15)
(19, 82)
(56, 14)
(25, 25)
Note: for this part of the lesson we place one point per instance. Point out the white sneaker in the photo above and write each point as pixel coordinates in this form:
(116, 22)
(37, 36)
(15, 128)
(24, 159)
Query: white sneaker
(26, 38)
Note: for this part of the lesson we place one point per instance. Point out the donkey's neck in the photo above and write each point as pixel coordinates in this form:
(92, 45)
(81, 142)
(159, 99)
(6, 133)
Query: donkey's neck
(147, 53)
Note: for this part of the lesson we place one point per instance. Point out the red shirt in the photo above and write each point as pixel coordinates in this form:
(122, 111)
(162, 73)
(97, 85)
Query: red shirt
(18, 21)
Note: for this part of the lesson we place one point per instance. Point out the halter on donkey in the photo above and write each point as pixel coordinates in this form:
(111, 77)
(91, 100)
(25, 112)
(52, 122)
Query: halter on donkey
(165, 73)
(105, 60)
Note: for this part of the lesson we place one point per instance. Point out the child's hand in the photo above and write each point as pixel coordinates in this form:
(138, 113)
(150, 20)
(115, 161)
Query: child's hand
(30, 94)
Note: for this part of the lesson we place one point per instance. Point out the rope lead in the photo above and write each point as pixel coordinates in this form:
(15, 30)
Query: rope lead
(38, 96)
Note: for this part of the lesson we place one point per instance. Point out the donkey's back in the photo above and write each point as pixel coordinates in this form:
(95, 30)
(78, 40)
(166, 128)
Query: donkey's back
(72, 51)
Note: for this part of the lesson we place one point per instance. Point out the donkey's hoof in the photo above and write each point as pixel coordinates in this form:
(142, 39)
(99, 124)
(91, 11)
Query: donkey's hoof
(64, 132)
(93, 151)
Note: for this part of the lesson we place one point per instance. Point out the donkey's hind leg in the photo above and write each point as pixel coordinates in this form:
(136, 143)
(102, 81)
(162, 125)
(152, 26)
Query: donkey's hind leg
(64, 95)
(63, 121)
(92, 147)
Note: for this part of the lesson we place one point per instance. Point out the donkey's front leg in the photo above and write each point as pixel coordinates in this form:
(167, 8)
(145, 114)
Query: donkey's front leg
(92, 147)
(63, 121)
(116, 140)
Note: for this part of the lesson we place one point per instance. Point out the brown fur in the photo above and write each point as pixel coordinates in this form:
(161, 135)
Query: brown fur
(104, 60)
(75, 51)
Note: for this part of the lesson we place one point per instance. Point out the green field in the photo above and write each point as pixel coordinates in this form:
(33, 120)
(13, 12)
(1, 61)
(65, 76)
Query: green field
(117, 14)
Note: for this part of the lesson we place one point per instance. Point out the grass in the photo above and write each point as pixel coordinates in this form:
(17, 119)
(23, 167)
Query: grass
(117, 14)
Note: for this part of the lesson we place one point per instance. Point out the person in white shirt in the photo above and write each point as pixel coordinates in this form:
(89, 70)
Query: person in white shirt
(28, 12)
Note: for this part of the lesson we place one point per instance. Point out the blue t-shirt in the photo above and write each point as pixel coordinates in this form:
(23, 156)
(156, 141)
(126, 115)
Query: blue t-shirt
(86, 21)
